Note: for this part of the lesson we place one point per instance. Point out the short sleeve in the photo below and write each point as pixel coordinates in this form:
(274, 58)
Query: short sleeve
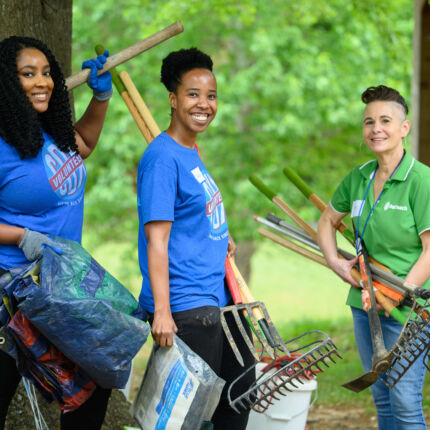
(341, 200)
(420, 204)
(157, 192)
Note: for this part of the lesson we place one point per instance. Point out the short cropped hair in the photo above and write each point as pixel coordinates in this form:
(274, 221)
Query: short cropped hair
(179, 62)
(383, 93)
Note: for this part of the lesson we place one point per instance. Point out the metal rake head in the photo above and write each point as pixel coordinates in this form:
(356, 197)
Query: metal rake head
(311, 352)
(413, 343)
(261, 325)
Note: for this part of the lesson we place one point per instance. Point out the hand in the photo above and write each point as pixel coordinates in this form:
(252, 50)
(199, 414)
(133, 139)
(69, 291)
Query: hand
(33, 242)
(101, 85)
(343, 268)
(232, 248)
(163, 328)
(365, 302)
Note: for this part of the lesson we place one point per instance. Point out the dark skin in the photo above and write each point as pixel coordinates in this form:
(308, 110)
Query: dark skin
(194, 106)
(33, 71)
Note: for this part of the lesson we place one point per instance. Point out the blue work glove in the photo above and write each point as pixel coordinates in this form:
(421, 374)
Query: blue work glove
(102, 84)
(33, 243)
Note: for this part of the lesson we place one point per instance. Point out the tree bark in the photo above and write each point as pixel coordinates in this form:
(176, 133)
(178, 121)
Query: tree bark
(47, 20)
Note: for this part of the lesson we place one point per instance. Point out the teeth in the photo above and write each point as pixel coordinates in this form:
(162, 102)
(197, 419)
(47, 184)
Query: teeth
(40, 96)
(200, 117)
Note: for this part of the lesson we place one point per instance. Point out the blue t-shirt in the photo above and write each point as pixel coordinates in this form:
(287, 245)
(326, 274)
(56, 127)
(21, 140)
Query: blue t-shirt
(174, 185)
(45, 194)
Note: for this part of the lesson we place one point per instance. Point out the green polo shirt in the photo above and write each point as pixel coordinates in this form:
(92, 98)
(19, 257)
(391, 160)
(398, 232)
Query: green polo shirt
(400, 216)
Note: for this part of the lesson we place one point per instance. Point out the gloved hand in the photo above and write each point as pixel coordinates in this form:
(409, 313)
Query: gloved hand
(33, 243)
(101, 85)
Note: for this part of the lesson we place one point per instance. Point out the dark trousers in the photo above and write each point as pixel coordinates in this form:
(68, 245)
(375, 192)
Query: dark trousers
(201, 330)
(89, 416)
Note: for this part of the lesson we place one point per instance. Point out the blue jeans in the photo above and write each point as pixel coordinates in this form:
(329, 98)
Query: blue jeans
(399, 408)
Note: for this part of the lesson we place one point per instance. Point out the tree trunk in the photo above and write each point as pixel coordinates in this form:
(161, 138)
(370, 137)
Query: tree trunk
(47, 20)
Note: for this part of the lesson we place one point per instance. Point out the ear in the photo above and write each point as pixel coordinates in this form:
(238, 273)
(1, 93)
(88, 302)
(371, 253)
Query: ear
(172, 100)
(406, 126)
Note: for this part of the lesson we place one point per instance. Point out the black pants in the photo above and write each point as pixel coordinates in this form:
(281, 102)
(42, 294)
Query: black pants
(89, 416)
(201, 330)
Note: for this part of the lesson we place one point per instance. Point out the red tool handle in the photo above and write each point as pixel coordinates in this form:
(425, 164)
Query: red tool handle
(232, 283)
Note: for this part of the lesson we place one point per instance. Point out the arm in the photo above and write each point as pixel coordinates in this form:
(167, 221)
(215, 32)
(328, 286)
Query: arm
(232, 248)
(89, 127)
(10, 235)
(421, 269)
(157, 234)
(327, 242)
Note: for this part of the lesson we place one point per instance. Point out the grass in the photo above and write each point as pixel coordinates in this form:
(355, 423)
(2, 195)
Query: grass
(300, 295)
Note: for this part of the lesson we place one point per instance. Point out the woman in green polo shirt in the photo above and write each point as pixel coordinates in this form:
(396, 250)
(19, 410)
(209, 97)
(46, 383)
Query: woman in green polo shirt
(388, 201)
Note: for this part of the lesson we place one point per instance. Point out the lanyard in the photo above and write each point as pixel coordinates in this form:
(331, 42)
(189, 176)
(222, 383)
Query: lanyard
(357, 243)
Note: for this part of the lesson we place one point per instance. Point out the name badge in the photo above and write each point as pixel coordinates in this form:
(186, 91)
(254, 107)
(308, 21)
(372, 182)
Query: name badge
(356, 208)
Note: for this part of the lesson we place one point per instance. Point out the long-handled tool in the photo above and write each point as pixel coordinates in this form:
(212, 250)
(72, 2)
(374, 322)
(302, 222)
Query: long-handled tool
(127, 53)
(310, 352)
(257, 314)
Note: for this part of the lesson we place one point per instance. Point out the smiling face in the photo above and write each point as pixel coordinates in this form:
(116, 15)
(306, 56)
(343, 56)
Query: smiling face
(194, 104)
(35, 77)
(384, 127)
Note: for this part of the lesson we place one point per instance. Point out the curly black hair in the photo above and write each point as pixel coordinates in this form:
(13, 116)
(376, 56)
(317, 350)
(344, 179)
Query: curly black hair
(383, 93)
(20, 125)
(179, 62)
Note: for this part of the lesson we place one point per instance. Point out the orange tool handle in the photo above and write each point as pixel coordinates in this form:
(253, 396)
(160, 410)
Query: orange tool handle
(232, 283)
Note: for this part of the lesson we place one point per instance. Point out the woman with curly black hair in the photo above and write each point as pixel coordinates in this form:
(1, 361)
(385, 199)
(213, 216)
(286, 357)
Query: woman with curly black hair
(42, 176)
(183, 232)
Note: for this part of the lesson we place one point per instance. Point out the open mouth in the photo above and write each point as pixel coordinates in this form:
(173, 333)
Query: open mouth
(200, 117)
(40, 97)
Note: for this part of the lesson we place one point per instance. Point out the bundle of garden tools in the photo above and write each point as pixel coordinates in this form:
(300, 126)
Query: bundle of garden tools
(414, 339)
(301, 357)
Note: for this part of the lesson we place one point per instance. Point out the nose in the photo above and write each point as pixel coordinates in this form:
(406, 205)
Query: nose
(202, 102)
(42, 80)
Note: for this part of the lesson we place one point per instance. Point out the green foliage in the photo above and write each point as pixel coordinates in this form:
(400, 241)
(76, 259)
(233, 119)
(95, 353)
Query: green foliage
(289, 73)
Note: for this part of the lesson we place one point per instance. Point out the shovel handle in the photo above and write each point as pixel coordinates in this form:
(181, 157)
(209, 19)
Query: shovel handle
(127, 54)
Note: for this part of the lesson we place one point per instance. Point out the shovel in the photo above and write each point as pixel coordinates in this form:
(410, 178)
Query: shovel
(381, 359)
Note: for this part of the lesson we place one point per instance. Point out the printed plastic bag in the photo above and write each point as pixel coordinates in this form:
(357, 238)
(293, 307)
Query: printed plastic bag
(179, 390)
(86, 313)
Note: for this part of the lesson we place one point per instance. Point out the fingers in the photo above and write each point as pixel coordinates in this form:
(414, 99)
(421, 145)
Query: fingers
(163, 331)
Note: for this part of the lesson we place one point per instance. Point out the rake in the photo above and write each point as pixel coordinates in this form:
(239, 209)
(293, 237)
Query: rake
(311, 353)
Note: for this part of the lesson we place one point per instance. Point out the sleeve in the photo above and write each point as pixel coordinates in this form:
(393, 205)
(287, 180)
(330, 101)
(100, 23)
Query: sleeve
(157, 190)
(420, 204)
(341, 199)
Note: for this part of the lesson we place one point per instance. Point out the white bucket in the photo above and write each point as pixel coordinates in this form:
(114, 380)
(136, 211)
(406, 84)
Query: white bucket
(289, 412)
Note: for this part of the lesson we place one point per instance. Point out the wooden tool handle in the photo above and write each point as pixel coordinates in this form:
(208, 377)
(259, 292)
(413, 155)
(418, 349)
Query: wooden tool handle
(127, 53)
(140, 104)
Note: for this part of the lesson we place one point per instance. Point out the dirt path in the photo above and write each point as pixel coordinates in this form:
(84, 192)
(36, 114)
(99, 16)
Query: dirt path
(340, 418)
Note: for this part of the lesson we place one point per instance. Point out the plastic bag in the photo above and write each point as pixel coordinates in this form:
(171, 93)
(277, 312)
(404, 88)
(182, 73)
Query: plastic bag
(86, 313)
(179, 390)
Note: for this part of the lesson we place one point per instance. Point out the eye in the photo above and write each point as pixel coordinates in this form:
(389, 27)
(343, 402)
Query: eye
(48, 73)
(193, 94)
(368, 122)
(385, 121)
(27, 74)
(212, 97)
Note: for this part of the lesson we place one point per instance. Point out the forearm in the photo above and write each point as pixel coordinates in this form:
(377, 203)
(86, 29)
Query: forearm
(420, 271)
(327, 239)
(10, 235)
(90, 126)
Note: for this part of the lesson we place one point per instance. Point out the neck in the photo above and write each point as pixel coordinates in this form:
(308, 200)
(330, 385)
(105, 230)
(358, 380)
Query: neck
(185, 139)
(388, 162)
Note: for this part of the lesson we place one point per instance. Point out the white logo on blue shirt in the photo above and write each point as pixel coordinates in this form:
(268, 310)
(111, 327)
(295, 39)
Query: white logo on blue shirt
(214, 205)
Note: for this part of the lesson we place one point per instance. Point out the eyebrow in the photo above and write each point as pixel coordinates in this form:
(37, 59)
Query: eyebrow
(382, 116)
(47, 66)
(198, 89)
